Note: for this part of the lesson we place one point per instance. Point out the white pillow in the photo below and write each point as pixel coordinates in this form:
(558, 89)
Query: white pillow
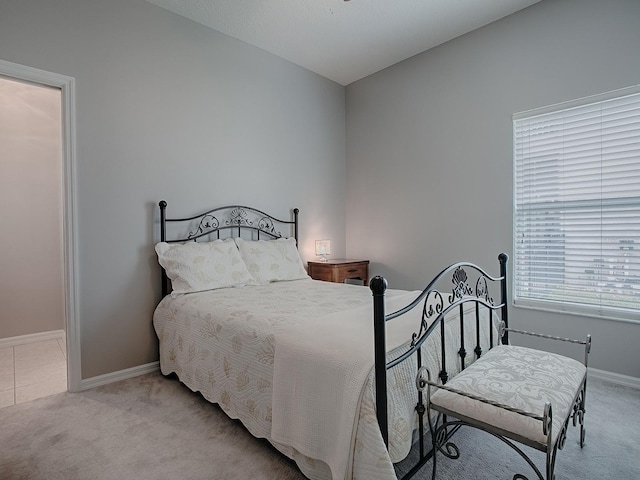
(196, 267)
(272, 260)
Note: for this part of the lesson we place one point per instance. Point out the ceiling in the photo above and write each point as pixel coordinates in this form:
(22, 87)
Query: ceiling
(344, 40)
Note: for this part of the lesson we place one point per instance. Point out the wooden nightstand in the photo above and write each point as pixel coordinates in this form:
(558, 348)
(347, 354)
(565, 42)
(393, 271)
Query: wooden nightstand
(338, 270)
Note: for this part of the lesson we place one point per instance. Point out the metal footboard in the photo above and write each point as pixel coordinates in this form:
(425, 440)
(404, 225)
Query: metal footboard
(467, 283)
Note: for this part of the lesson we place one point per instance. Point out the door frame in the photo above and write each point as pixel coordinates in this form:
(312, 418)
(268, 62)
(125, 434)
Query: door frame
(69, 203)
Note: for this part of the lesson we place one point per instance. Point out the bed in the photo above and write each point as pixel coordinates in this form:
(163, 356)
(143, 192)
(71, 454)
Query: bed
(297, 360)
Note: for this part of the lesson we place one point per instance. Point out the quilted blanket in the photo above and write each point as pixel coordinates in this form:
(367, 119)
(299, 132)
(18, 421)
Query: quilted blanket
(223, 344)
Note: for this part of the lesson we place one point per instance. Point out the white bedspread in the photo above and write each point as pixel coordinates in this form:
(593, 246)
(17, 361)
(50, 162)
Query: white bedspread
(223, 344)
(319, 373)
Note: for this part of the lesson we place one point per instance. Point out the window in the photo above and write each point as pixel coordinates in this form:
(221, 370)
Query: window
(577, 206)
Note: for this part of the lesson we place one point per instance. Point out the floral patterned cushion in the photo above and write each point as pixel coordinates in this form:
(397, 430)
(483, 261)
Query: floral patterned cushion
(519, 377)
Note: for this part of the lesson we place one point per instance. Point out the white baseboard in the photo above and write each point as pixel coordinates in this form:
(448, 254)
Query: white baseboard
(616, 378)
(31, 338)
(107, 378)
(155, 366)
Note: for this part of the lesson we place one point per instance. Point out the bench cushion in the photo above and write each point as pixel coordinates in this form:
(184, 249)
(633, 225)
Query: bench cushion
(521, 378)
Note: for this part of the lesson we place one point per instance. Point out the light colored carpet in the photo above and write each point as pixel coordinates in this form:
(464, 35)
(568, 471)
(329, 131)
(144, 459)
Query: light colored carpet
(151, 427)
(147, 427)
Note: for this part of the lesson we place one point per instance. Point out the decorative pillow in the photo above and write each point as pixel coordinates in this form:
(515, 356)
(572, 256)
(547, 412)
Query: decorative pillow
(196, 267)
(272, 260)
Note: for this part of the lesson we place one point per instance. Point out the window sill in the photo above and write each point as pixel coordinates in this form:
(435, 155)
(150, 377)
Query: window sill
(618, 315)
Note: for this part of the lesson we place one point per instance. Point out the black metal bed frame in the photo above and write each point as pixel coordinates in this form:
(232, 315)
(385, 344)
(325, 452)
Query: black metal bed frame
(232, 220)
(227, 221)
(435, 307)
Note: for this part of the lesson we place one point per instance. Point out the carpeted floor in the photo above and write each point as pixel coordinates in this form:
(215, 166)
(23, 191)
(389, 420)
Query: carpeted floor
(151, 427)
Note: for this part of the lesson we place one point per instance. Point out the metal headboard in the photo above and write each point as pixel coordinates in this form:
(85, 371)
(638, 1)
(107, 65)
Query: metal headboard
(225, 222)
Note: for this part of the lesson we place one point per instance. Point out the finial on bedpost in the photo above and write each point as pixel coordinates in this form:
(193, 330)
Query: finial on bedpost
(502, 258)
(378, 285)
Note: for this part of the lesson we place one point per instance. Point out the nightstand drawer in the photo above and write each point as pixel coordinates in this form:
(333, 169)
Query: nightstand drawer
(351, 271)
(338, 270)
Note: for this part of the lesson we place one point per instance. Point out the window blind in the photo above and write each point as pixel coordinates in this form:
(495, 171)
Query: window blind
(577, 207)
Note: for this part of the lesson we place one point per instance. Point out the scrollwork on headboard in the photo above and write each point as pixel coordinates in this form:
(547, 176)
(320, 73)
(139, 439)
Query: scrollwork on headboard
(209, 223)
(238, 217)
(225, 222)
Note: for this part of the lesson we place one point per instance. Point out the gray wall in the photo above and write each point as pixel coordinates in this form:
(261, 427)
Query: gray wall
(30, 209)
(429, 147)
(169, 109)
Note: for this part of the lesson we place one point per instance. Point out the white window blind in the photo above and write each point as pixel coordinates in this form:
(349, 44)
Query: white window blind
(577, 207)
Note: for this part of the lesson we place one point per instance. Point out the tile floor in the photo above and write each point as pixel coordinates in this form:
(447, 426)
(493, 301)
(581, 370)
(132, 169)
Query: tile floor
(32, 370)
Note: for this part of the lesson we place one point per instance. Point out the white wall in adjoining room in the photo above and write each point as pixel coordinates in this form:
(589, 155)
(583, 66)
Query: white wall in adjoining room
(429, 148)
(167, 109)
(31, 253)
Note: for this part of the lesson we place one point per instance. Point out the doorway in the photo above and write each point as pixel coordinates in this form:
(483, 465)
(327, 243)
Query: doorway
(46, 200)
(31, 281)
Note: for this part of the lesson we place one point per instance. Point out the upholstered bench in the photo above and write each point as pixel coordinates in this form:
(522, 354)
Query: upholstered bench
(515, 393)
